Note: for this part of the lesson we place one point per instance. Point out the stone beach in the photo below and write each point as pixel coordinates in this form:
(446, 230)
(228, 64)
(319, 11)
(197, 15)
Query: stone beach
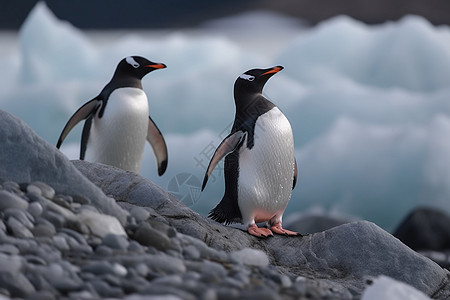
(78, 230)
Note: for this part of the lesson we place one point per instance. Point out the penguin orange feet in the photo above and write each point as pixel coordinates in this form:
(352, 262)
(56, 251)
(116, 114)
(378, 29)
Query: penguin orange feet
(277, 228)
(259, 232)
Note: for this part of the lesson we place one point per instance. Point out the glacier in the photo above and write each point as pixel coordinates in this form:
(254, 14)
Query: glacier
(368, 104)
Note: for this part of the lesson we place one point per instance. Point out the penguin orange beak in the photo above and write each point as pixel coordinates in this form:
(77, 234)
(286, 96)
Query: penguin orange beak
(157, 66)
(273, 70)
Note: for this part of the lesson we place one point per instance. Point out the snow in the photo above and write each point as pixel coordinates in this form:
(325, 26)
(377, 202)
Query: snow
(369, 105)
(387, 288)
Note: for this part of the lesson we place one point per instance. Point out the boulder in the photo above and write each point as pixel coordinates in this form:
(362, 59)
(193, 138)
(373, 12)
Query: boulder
(26, 157)
(348, 255)
(425, 228)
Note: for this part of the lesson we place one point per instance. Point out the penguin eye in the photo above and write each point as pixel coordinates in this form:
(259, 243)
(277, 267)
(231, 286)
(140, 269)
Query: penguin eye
(130, 60)
(247, 77)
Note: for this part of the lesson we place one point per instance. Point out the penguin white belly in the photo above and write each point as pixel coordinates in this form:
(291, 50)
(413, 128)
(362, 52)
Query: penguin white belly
(118, 137)
(266, 172)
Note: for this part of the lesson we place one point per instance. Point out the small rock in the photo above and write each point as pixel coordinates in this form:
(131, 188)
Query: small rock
(162, 263)
(10, 200)
(43, 230)
(251, 257)
(148, 236)
(100, 225)
(213, 272)
(105, 290)
(104, 251)
(9, 249)
(104, 267)
(17, 284)
(139, 213)
(33, 190)
(35, 209)
(18, 229)
(47, 191)
(191, 252)
(118, 242)
(135, 247)
(61, 243)
(22, 216)
(11, 263)
(41, 295)
(56, 219)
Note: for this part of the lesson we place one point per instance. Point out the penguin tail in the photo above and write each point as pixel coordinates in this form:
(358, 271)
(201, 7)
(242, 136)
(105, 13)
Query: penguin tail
(225, 213)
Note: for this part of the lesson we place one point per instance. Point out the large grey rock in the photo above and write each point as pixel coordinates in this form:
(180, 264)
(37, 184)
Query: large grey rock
(425, 228)
(26, 157)
(347, 255)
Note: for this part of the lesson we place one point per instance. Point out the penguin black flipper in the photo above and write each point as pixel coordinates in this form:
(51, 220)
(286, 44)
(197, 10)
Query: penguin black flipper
(228, 145)
(156, 140)
(295, 173)
(82, 113)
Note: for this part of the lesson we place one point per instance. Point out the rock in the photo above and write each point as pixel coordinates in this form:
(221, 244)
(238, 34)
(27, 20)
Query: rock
(425, 229)
(251, 257)
(345, 254)
(18, 229)
(35, 209)
(10, 200)
(46, 190)
(17, 284)
(101, 225)
(26, 157)
(11, 263)
(139, 213)
(314, 222)
(43, 230)
(118, 242)
(387, 288)
(148, 236)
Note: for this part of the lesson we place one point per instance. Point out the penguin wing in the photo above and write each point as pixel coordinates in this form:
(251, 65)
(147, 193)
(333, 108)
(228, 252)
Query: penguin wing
(82, 113)
(295, 173)
(156, 140)
(228, 145)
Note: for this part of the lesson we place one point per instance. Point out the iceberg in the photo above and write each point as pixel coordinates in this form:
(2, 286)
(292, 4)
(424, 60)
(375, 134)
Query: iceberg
(368, 104)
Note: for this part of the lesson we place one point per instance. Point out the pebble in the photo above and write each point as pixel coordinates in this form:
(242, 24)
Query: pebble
(18, 229)
(114, 241)
(251, 257)
(101, 225)
(139, 213)
(17, 284)
(22, 216)
(213, 272)
(34, 190)
(35, 209)
(148, 236)
(10, 200)
(43, 230)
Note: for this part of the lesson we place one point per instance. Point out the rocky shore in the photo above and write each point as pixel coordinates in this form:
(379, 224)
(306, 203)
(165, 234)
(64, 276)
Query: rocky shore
(77, 230)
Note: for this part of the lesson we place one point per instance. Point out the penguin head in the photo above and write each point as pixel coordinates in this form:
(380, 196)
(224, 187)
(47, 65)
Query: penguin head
(136, 67)
(254, 80)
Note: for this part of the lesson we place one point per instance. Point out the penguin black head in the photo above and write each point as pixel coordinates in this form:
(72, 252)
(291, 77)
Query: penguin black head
(136, 67)
(254, 80)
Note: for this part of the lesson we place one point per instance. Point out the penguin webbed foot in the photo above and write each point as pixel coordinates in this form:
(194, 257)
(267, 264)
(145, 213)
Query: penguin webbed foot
(277, 228)
(260, 232)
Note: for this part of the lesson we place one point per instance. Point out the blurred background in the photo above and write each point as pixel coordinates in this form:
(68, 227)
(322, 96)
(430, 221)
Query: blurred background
(366, 87)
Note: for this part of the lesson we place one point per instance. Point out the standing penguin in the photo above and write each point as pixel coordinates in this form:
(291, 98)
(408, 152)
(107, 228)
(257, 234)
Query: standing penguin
(260, 167)
(118, 122)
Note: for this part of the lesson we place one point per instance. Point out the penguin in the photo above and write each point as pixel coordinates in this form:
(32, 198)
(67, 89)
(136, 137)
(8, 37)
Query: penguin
(118, 122)
(260, 167)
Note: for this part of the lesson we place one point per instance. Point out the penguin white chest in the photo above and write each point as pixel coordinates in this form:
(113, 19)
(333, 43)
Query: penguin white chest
(118, 137)
(266, 171)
